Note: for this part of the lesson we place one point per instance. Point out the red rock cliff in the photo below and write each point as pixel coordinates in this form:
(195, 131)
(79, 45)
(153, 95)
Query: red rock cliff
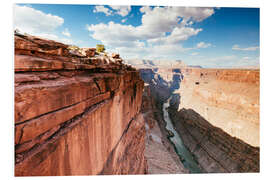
(234, 75)
(227, 98)
(75, 115)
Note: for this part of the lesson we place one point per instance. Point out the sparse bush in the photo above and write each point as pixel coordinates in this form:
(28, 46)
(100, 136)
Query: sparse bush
(100, 48)
(73, 47)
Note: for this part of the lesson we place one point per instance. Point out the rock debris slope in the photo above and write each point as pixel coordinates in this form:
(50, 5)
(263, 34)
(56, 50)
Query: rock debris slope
(160, 154)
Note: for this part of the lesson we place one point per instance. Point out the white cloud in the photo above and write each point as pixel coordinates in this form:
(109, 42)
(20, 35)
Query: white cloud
(32, 21)
(166, 18)
(196, 13)
(203, 45)
(54, 37)
(65, 40)
(37, 23)
(111, 33)
(123, 20)
(162, 30)
(167, 49)
(176, 36)
(140, 50)
(66, 32)
(194, 54)
(236, 47)
(155, 23)
(246, 58)
(48, 36)
(102, 9)
(117, 35)
(122, 10)
(228, 61)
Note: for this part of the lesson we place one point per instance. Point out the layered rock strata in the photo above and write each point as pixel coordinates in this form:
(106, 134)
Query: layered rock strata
(227, 98)
(75, 115)
(216, 113)
(215, 150)
(233, 75)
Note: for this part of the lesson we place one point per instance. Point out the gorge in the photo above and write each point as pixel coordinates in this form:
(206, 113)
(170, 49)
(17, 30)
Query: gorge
(94, 114)
(215, 112)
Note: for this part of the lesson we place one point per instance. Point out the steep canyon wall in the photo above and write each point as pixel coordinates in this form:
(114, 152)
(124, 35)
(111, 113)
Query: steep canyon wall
(159, 152)
(215, 111)
(227, 98)
(75, 115)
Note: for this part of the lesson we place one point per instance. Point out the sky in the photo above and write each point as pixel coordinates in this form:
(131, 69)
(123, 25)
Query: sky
(209, 37)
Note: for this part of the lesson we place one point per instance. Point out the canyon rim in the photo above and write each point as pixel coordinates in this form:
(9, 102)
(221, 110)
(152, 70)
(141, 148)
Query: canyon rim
(114, 90)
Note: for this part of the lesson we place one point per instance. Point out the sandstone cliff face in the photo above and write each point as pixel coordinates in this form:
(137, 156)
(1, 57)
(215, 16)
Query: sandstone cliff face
(233, 75)
(214, 149)
(216, 113)
(228, 99)
(75, 115)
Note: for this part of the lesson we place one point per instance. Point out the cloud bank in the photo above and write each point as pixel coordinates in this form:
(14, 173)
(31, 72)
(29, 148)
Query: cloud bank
(236, 47)
(162, 29)
(37, 23)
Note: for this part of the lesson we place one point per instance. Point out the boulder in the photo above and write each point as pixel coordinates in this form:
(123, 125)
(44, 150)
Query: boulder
(115, 55)
(89, 52)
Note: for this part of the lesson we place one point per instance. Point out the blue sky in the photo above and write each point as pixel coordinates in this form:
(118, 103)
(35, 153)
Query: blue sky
(210, 37)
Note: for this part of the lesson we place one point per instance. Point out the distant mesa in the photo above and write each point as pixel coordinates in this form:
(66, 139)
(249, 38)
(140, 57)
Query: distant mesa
(195, 66)
(176, 64)
(164, 63)
(142, 63)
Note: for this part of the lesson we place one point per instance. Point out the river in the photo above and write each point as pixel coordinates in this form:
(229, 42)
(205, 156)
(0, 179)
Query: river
(183, 153)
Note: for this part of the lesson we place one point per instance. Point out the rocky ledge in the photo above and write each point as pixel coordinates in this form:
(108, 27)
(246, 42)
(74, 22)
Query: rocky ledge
(75, 114)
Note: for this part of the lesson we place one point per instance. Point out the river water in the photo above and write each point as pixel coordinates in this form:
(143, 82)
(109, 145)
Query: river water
(185, 156)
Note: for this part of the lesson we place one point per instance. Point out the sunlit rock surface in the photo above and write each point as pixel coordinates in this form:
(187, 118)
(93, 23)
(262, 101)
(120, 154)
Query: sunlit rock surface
(75, 115)
(215, 111)
(228, 99)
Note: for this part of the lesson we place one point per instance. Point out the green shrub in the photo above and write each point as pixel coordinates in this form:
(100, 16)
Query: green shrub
(73, 47)
(100, 48)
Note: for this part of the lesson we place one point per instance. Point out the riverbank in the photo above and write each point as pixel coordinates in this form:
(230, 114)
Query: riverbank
(159, 152)
(184, 154)
(215, 150)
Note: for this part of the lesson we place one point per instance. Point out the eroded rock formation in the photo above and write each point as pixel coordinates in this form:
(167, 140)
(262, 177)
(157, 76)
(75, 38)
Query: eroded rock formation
(227, 98)
(80, 114)
(216, 113)
(214, 149)
(75, 115)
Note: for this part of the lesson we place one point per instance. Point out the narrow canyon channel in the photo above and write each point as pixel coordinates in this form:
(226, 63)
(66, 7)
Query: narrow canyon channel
(183, 153)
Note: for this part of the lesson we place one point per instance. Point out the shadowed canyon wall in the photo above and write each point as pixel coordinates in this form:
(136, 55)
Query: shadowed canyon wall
(214, 149)
(75, 115)
(159, 152)
(215, 111)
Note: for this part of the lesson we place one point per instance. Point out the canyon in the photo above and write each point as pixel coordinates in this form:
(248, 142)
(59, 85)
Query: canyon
(86, 114)
(214, 111)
